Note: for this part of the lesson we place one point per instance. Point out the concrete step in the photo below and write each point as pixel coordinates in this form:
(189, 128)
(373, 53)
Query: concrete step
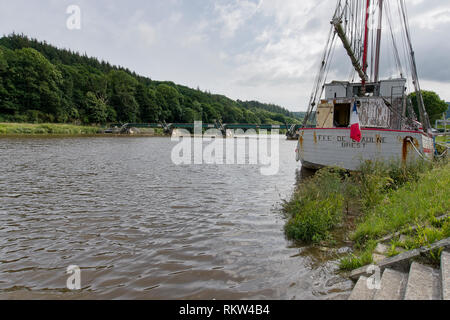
(445, 275)
(362, 291)
(393, 285)
(424, 283)
(402, 261)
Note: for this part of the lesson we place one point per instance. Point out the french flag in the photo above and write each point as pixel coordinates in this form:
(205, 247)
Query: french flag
(355, 132)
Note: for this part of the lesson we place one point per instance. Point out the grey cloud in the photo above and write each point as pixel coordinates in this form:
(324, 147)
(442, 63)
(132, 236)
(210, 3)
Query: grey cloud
(110, 31)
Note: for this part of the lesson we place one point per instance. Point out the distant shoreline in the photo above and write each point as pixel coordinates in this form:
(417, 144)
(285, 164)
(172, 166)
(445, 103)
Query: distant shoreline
(61, 130)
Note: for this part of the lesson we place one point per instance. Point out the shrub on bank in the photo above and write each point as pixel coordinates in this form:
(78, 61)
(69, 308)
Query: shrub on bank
(386, 196)
(316, 208)
(315, 220)
(376, 179)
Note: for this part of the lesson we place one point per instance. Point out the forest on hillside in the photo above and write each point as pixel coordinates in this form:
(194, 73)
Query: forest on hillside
(41, 83)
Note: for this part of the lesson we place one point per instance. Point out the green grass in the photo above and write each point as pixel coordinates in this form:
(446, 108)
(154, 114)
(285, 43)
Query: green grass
(442, 139)
(321, 202)
(316, 208)
(386, 197)
(424, 235)
(363, 258)
(417, 202)
(46, 129)
(441, 126)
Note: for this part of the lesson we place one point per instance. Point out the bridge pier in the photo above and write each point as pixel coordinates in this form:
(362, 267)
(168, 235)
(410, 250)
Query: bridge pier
(132, 128)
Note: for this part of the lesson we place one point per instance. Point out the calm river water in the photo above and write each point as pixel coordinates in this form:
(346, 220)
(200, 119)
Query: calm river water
(141, 227)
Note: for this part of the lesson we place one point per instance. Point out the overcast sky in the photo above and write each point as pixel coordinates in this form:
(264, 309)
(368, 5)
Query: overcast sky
(266, 50)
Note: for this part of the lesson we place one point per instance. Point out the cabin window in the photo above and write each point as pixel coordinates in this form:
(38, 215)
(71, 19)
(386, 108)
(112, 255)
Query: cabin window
(342, 115)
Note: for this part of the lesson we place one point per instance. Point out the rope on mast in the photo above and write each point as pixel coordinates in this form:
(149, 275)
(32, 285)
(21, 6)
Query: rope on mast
(378, 47)
(394, 44)
(320, 78)
(423, 113)
(350, 24)
(366, 38)
(337, 23)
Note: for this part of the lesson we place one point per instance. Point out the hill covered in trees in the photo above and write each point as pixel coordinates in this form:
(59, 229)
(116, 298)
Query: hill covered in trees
(41, 83)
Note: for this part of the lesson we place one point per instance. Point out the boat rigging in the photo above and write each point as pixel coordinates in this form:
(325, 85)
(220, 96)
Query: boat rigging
(383, 105)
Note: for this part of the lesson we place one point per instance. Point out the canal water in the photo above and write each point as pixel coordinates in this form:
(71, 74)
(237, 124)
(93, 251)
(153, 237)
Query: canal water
(140, 227)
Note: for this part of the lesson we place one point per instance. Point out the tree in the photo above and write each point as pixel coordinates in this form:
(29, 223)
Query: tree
(169, 97)
(250, 117)
(3, 62)
(434, 105)
(123, 88)
(149, 110)
(39, 82)
(34, 83)
(232, 115)
(5, 105)
(189, 115)
(210, 114)
(97, 108)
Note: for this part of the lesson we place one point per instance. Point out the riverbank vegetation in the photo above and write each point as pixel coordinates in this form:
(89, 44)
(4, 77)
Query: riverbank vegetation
(40, 83)
(443, 139)
(46, 129)
(379, 200)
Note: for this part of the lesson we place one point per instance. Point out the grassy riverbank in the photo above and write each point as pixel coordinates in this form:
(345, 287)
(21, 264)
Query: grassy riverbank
(46, 129)
(442, 139)
(379, 200)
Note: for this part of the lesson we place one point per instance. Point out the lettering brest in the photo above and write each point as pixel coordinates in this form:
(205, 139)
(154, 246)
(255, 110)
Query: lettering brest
(346, 142)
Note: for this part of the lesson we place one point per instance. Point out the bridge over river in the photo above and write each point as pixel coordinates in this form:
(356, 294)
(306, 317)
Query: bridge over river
(168, 128)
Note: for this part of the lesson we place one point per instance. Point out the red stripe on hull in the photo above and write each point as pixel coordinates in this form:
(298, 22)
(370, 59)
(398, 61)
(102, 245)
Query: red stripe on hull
(368, 129)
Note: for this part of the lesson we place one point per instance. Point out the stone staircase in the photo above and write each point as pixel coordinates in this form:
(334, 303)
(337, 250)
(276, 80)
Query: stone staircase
(421, 283)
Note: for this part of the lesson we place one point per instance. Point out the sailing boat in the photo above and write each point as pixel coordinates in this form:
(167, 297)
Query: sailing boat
(368, 119)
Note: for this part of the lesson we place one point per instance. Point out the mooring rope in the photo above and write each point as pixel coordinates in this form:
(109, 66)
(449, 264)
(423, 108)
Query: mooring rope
(418, 151)
(443, 153)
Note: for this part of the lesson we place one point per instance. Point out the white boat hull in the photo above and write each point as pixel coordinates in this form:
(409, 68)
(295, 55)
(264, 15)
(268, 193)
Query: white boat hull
(333, 147)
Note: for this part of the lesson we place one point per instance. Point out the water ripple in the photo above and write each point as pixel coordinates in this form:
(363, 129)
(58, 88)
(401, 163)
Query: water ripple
(142, 228)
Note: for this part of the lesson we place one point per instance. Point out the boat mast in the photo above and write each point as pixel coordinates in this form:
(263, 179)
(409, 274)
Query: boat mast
(422, 110)
(355, 59)
(347, 46)
(378, 49)
(366, 44)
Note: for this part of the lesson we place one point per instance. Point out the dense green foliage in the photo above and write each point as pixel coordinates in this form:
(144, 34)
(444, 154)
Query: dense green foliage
(321, 202)
(420, 199)
(415, 203)
(316, 208)
(46, 129)
(41, 83)
(434, 105)
(384, 198)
